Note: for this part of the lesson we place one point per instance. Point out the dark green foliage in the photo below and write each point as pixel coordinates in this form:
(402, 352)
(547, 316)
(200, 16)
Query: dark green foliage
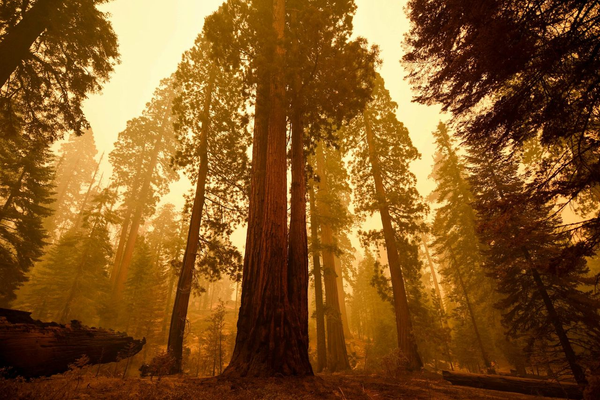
(523, 236)
(25, 196)
(72, 57)
(72, 280)
(515, 70)
(145, 291)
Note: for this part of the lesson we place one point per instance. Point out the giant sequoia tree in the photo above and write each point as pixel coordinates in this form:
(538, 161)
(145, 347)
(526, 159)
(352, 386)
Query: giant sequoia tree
(142, 168)
(382, 152)
(52, 54)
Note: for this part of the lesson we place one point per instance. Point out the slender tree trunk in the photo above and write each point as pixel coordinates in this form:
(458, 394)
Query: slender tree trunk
(168, 305)
(342, 299)
(18, 40)
(184, 286)
(298, 237)
(461, 281)
(122, 271)
(436, 284)
(269, 338)
(121, 246)
(320, 308)
(406, 341)
(87, 194)
(565, 343)
(337, 355)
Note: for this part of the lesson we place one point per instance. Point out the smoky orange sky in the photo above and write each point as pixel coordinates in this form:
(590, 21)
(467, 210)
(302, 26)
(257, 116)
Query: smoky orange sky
(154, 33)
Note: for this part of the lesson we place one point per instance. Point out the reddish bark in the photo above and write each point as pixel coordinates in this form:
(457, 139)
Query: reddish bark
(184, 286)
(406, 341)
(298, 237)
(320, 308)
(337, 355)
(269, 340)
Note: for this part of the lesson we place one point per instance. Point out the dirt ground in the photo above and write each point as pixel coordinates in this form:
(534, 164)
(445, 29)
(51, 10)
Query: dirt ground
(425, 386)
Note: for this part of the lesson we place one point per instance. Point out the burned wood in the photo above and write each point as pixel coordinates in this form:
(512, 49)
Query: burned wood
(31, 348)
(516, 385)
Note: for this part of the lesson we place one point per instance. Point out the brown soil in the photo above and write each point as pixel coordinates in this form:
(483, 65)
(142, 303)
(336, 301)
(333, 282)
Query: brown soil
(422, 386)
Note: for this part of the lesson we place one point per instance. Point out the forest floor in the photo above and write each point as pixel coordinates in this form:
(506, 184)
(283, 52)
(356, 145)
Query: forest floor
(426, 386)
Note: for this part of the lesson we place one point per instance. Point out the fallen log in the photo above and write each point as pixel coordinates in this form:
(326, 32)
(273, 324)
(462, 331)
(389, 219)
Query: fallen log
(31, 348)
(502, 383)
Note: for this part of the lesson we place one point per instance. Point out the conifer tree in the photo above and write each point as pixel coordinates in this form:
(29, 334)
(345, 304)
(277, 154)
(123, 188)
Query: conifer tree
(72, 281)
(26, 188)
(213, 147)
(142, 168)
(382, 153)
(537, 271)
(75, 166)
(52, 54)
(457, 245)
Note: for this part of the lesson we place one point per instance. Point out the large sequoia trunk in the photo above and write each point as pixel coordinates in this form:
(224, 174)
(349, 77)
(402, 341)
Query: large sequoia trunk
(269, 341)
(32, 348)
(337, 355)
(342, 295)
(534, 387)
(184, 286)
(406, 341)
(17, 42)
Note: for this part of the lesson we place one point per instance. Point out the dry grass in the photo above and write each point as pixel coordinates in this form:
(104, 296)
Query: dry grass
(86, 386)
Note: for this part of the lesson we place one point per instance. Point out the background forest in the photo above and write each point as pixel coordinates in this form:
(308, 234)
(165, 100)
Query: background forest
(480, 256)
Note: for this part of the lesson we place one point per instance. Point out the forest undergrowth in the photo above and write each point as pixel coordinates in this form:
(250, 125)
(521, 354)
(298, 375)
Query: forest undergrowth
(425, 386)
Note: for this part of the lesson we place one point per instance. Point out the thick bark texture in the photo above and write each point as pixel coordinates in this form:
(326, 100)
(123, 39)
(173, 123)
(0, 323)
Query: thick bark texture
(320, 308)
(298, 237)
(17, 42)
(269, 341)
(534, 387)
(337, 355)
(184, 286)
(406, 341)
(33, 348)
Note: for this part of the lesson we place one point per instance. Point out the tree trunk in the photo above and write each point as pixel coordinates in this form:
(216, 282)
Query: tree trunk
(535, 387)
(436, 284)
(121, 273)
(121, 246)
(87, 194)
(320, 308)
(406, 341)
(184, 286)
(18, 40)
(484, 355)
(33, 348)
(167, 316)
(560, 330)
(269, 338)
(342, 299)
(298, 237)
(337, 355)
